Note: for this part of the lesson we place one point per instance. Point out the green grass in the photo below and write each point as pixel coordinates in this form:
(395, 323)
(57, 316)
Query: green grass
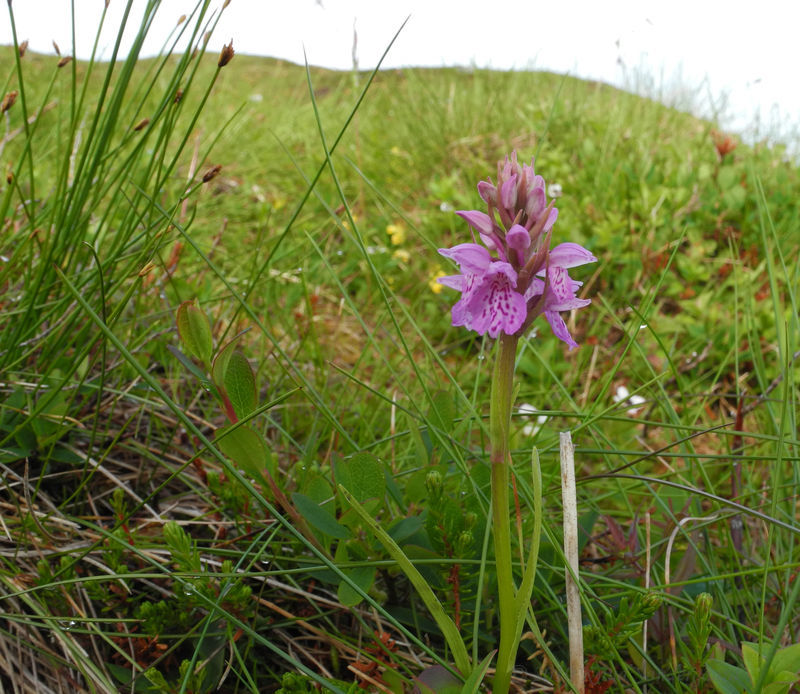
(131, 542)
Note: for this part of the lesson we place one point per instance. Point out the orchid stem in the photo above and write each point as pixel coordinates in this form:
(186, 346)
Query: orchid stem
(499, 429)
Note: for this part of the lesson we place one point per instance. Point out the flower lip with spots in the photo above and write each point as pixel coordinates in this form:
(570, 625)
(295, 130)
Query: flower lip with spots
(515, 276)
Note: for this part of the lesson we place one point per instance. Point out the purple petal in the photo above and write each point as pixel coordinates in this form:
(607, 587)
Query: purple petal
(560, 289)
(470, 257)
(480, 221)
(518, 237)
(559, 328)
(508, 194)
(535, 202)
(491, 244)
(536, 288)
(495, 306)
(509, 167)
(551, 219)
(452, 281)
(566, 255)
(561, 292)
(569, 304)
(530, 174)
(488, 192)
(461, 310)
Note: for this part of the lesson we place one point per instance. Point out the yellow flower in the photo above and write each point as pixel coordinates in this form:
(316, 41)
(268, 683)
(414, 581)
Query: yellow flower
(402, 255)
(434, 285)
(397, 233)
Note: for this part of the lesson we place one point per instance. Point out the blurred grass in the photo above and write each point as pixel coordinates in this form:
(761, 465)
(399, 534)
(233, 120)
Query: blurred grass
(105, 437)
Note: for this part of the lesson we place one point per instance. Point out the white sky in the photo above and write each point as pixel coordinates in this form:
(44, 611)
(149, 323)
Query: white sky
(744, 50)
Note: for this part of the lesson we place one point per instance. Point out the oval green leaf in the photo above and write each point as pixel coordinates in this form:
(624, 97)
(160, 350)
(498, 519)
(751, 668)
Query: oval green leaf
(194, 331)
(240, 384)
(319, 518)
(362, 475)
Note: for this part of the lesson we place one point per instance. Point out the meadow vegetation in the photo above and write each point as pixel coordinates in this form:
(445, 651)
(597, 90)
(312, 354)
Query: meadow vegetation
(171, 518)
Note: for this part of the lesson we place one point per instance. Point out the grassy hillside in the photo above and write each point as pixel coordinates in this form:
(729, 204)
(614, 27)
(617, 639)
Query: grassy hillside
(147, 543)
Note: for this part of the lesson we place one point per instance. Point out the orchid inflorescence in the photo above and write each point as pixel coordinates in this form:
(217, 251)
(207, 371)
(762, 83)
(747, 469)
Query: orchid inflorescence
(506, 292)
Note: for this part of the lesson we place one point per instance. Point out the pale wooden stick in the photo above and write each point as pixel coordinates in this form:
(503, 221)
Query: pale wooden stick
(574, 624)
(647, 588)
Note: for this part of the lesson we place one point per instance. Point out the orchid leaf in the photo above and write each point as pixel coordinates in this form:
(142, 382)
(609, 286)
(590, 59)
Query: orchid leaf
(446, 625)
(473, 683)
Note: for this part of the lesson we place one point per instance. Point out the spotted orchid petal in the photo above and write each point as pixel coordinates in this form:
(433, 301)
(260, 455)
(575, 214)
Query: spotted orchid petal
(452, 281)
(567, 255)
(551, 220)
(518, 237)
(508, 193)
(480, 221)
(470, 257)
(561, 293)
(536, 288)
(559, 328)
(535, 203)
(494, 306)
(488, 192)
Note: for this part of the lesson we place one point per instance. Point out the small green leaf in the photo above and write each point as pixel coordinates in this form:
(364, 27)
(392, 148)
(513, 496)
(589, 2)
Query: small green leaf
(728, 679)
(188, 364)
(405, 528)
(785, 660)
(194, 331)
(363, 577)
(220, 364)
(362, 475)
(319, 517)
(155, 678)
(244, 447)
(781, 683)
(240, 384)
(752, 659)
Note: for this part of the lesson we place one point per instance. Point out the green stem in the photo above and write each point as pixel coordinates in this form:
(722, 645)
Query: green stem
(499, 426)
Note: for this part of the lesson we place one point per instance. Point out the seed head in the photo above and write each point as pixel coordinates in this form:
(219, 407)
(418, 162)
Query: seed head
(8, 101)
(226, 55)
(64, 60)
(212, 173)
(141, 124)
(22, 48)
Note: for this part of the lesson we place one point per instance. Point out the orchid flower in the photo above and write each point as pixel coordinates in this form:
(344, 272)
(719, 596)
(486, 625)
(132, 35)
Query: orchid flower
(515, 275)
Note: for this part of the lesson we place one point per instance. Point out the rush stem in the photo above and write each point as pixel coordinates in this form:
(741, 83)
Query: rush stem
(499, 427)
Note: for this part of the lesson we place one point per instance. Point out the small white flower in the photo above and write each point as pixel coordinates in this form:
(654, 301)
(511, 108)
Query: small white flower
(554, 190)
(634, 401)
(622, 394)
(531, 429)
